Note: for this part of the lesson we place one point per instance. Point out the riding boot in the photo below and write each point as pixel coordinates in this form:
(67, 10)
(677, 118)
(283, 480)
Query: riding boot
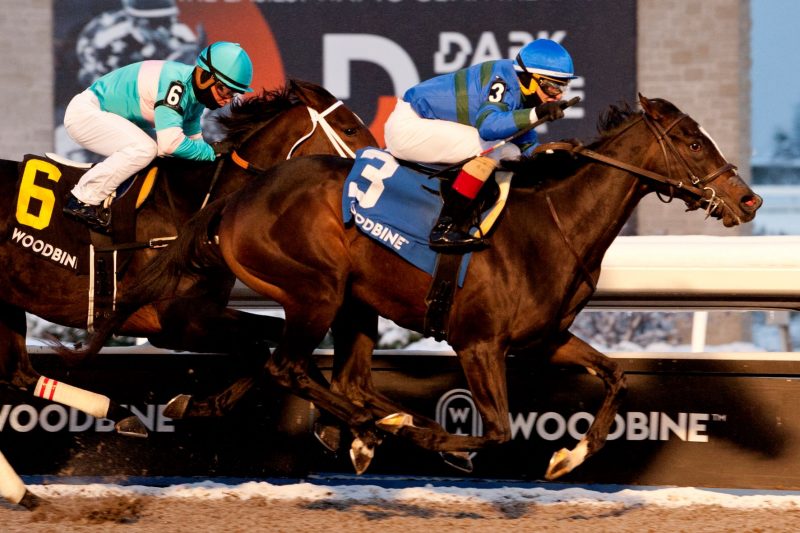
(95, 216)
(451, 231)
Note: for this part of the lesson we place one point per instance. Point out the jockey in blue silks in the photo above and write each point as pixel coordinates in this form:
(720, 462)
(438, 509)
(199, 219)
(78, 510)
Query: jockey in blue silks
(456, 116)
(146, 109)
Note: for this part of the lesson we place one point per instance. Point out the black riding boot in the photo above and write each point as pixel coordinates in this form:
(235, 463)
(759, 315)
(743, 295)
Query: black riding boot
(95, 216)
(451, 231)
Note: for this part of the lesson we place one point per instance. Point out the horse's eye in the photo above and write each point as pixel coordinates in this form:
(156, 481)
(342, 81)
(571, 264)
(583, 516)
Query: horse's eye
(695, 146)
(350, 131)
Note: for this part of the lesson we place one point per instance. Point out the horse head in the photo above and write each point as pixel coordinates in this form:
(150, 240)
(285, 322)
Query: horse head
(331, 115)
(304, 113)
(300, 118)
(695, 169)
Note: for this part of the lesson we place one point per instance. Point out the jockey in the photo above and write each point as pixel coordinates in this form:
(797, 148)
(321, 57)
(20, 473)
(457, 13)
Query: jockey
(146, 109)
(456, 116)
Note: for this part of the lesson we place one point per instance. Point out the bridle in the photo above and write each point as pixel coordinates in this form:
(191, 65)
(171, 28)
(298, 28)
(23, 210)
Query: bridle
(695, 185)
(317, 119)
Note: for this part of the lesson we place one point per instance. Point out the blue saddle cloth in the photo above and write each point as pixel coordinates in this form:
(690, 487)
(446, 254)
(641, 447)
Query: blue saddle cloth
(395, 206)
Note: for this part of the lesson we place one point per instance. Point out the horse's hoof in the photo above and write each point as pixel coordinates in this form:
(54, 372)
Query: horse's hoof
(31, 501)
(395, 422)
(131, 427)
(329, 436)
(361, 455)
(176, 408)
(564, 461)
(458, 460)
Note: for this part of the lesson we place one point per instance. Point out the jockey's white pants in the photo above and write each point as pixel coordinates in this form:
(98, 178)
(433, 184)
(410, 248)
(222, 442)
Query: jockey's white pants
(411, 137)
(127, 147)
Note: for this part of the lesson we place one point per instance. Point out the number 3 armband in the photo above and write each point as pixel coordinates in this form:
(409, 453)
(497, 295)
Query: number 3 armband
(173, 97)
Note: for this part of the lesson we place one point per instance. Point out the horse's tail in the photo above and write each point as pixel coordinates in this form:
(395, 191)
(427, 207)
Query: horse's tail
(184, 258)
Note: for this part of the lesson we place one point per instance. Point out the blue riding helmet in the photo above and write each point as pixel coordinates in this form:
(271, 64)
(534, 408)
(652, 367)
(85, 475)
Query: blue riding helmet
(229, 64)
(545, 58)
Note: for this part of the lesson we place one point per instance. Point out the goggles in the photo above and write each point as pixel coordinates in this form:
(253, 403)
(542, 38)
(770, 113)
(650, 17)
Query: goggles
(550, 86)
(224, 91)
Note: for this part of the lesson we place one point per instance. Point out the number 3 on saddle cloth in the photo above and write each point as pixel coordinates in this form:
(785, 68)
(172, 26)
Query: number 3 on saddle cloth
(39, 226)
(396, 206)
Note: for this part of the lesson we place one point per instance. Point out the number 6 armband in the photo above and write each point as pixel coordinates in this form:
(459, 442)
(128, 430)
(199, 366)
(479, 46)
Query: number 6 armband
(172, 98)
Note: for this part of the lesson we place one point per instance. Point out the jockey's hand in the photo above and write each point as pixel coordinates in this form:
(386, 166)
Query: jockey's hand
(550, 111)
(222, 147)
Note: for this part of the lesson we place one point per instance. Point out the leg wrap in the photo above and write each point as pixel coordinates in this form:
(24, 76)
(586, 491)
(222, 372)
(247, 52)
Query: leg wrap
(11, 486)
(88, 402)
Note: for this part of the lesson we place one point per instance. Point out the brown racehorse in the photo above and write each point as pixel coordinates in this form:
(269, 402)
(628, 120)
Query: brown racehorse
(283, 236)
(300, 118)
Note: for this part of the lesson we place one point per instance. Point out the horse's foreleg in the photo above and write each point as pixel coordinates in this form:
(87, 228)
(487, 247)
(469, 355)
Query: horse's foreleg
(92, 403)
(291, 365)
(212, 327)
(16, 368)
(12, 488)
(203, 324)
(484, 367)
(355, 333)
(577, 352)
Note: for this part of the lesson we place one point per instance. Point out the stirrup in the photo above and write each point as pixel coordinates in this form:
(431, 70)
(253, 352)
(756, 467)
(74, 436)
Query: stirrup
(96, 217)
(454, 240)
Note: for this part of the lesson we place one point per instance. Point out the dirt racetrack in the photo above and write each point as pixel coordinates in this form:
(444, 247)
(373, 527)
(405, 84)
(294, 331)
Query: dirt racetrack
(139, 513)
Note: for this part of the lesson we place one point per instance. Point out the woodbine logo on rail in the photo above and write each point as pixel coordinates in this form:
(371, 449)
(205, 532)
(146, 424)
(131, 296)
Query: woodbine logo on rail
(456, 412)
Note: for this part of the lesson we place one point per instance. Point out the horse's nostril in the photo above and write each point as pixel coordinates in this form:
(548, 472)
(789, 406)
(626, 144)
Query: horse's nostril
(752, 202)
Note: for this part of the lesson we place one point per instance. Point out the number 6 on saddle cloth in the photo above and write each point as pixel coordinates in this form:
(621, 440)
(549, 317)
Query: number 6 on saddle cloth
(42, 186)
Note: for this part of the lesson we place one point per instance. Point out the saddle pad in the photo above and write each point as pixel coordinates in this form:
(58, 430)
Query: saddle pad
(395, 206)
(38, 225)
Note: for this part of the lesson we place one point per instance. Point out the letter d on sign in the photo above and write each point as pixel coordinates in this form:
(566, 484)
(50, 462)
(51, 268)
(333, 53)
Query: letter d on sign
(340, 49)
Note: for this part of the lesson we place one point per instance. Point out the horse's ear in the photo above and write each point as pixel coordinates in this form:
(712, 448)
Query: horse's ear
(648, 106)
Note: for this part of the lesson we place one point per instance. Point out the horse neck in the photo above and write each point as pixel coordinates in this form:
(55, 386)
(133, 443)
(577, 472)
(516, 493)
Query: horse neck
(269, 144)
(594, 203)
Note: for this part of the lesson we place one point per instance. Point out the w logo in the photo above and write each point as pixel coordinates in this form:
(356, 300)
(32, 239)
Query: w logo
(456, 413)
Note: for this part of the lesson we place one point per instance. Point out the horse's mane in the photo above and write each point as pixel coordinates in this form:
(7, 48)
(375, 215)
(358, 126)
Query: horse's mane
(542, 168)
(245, 114)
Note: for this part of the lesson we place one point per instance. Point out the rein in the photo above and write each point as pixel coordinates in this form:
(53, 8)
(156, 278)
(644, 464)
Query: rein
(698, 186)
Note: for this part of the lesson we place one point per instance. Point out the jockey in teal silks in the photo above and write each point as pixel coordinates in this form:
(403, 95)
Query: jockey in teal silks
(146, 109)
(456, 116)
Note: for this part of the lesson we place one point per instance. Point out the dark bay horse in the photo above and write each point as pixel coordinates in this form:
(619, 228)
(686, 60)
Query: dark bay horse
(300, 118)
(283, 236)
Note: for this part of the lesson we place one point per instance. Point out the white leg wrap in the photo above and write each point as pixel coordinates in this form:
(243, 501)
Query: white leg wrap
(88, 402)
(11, 486)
